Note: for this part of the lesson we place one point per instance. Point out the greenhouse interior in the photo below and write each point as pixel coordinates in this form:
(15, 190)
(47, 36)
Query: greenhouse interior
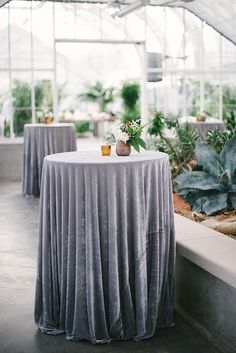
(118, 176)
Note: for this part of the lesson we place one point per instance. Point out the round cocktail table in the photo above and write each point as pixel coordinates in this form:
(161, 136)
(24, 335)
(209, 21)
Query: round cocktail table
(106, 256)
(41, 140)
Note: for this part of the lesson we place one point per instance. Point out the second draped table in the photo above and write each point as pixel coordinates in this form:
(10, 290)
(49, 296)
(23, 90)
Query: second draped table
(106, 256)
(203, 127)
(41, 140)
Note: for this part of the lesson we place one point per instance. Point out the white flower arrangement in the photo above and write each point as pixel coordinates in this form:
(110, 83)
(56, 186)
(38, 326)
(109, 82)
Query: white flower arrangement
(128, 132)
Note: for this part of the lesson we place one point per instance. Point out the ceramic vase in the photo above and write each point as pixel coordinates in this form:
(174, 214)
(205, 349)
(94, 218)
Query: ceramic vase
(123, 149)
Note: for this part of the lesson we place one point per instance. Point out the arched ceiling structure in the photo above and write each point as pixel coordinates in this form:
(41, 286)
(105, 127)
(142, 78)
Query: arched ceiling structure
(219, 14)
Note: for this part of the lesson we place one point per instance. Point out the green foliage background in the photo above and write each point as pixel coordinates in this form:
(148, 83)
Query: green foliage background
(130, 93)
(180, 148)
(21, 94)
(98, 93)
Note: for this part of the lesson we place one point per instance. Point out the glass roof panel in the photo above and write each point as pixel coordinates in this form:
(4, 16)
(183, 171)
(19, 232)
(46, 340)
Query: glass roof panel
(217, 13)
(175, 37)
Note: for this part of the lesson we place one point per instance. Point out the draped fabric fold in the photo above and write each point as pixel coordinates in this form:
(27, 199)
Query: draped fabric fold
(106, 256)
(41, 140)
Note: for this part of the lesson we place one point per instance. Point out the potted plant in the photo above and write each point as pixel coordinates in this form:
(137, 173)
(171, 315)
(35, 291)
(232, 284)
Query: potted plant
(130, 93)
(125, 134)
(200, 117)
(48, 118)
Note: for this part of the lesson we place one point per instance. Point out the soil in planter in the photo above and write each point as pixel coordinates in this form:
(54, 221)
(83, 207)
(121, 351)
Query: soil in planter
(184, 209)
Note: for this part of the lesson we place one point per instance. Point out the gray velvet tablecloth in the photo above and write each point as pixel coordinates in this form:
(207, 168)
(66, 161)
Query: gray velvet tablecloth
(41, 140)
(203, 127)
(106, 256)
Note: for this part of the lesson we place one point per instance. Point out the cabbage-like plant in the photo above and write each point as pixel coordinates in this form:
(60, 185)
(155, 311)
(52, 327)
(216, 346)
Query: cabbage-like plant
(213, 189)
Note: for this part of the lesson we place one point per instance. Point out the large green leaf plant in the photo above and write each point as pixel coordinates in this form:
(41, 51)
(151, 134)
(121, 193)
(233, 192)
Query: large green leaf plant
(212, 189)
(98, 93)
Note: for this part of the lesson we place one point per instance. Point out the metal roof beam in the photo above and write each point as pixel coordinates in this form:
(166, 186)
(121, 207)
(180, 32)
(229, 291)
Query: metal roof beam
(131, 7)
(3, 2)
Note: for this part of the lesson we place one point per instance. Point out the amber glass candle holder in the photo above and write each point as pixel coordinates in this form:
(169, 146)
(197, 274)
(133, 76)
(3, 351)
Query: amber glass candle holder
(106, 150)
(47, 121)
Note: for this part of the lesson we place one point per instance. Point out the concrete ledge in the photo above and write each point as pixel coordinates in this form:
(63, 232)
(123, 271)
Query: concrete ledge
(11, 159)
(210, 250)
(11, 141)
(206, 280)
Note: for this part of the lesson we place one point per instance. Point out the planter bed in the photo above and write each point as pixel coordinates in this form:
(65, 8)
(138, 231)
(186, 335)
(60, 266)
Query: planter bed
(206, 280)
(183, 208)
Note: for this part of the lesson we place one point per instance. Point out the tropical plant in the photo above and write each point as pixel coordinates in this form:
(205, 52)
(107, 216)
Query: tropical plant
(82, 127)
(98, 93)
(130, 93)
(157, 124)
(128, 132)
(216, 139)
(230, 121)
(21, 94)
(213, 189)
(180, 147)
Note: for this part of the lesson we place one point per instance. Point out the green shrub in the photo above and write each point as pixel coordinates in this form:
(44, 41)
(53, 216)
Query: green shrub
(180, 148)
(130, 93)
(230, 121)
(21, 94)
(6, 132)
(217, 139)
(82, 127)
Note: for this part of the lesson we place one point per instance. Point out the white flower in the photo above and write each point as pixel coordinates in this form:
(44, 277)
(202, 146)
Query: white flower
(121, 136)
(117, 130)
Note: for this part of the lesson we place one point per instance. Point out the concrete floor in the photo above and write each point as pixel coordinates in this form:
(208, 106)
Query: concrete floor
(18, 333)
